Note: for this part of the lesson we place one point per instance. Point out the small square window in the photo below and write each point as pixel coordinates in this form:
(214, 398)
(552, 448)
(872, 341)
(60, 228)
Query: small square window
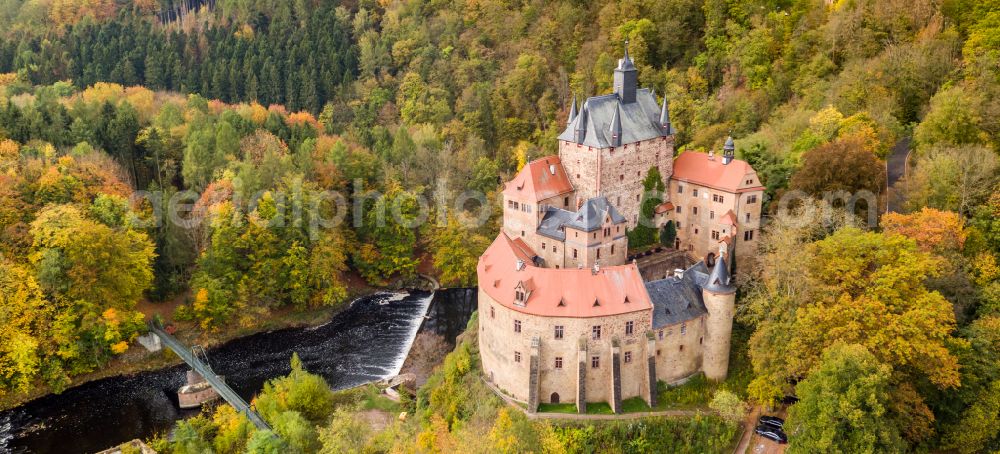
(517, 326)
(558, 362)
(517, 357)
(629, 327)
(558, 332)
(694, 192)
(595, 362)
(628, 357)
(595, 332)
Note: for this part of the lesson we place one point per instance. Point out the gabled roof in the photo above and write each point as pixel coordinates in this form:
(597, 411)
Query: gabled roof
(639, 120)
(700, 168)
(560, 292)
(588, 218)
(539, 180)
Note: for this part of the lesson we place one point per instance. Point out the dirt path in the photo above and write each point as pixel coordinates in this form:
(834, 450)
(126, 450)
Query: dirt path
(895, 170)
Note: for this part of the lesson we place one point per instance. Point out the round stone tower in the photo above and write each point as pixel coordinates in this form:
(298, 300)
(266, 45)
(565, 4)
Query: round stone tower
(719, 295)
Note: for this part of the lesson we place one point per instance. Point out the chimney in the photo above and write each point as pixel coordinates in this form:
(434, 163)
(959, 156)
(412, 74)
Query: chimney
(678, 273)
(519, 265)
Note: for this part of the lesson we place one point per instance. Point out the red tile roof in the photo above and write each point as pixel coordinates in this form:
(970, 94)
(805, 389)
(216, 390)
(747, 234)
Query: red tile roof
(664, 207)
(538, 180)
(553, 292)
(729, 218)
(697, 168)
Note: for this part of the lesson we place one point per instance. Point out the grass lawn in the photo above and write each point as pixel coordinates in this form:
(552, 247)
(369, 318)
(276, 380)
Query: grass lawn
(557, 408)
(599, 408)
(634, 405)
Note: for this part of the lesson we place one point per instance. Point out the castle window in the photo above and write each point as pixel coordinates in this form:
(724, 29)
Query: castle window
(517, 326)
(711, 215)
(559, 332)
(718, 198)
(694, 192)
(752, 198)
(715, 234)
(543, 246)
(574, 253)
(701, 340)
(520, 296)
(522, 233)
(657, 352)
(595, 235)
(621, 177)
(638, 173)
(748, 217)
(554, 248)
(619, 200)
(678, 224)
(598, 252)
(696, 230)
(612, 249)
(595, 332)
(565, 201)
(661, 334)
(748, 235)
(694, 211)
(517, 357)
(629, 328)
(684, 328)
(578, 176)
(678, 209)
(628, 357)
(595, 362)
(493, 312)
(682, 348)
(558, 362)
(618, 229)
(680, 189)
(516, 205)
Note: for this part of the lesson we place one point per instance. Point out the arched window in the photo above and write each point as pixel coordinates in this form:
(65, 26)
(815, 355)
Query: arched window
(554, 398)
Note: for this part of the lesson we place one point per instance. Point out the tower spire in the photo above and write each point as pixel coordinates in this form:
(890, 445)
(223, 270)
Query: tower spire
(572, 112)
(728, 150)
(626, 78)
(720, 281)
(580, 132)
(616, 127)
(665, 126)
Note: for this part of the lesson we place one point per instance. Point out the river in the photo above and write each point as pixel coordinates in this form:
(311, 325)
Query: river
(367, 341)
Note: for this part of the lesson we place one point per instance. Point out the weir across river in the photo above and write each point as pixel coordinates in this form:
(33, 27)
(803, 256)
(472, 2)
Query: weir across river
(203, 369)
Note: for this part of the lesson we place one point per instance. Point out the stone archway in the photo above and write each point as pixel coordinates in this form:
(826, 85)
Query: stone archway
(554, 398)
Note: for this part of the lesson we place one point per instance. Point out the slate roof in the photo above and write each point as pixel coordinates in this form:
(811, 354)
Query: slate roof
(588, 218)
(640, 119)
(720, 281)
(677, 300)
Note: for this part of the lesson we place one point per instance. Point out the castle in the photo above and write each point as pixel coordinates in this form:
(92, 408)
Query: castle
(564, 317)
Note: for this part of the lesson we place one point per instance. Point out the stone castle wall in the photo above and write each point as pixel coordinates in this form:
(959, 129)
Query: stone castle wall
(618, 171)
(498, 344)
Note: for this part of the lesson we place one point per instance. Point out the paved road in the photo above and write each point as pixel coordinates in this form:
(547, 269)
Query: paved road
(895, 169)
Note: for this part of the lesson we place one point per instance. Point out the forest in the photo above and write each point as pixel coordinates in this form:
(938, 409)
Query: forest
(242, 111)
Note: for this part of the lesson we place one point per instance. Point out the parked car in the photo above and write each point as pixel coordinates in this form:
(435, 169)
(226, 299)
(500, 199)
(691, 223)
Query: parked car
(771, 433)
(772, 421)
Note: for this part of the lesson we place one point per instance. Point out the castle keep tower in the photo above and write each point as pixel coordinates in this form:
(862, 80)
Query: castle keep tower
(609, 146)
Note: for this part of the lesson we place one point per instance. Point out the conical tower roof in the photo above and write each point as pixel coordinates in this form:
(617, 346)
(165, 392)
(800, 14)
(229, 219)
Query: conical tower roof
(572, 112)
(720, 281)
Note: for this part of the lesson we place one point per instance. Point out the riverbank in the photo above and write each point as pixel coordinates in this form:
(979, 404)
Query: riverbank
(137, 359)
